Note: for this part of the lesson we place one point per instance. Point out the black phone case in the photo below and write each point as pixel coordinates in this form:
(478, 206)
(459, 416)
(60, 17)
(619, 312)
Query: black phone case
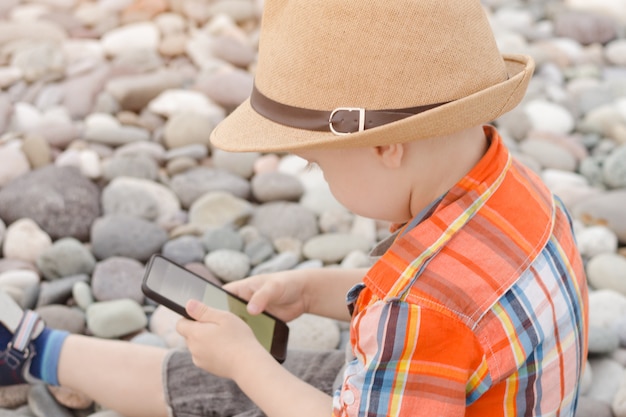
(281, 332)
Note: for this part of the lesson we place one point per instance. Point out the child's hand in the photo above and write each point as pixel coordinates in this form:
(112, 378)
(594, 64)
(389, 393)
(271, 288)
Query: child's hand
(282, 294)
(219, 341)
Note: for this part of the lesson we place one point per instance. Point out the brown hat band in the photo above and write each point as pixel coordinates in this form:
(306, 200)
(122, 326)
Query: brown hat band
(341, 121)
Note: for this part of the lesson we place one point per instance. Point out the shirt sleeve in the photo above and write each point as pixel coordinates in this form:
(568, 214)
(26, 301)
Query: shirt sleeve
(411, 361)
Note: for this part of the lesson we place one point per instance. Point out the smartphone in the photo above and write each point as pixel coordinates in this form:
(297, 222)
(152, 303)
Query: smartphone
(172, 285)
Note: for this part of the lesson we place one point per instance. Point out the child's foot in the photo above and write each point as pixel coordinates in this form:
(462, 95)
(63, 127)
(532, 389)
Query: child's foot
(29, 351)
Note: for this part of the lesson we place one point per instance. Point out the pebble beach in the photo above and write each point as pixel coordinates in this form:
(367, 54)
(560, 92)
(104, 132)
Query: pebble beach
(106, 107)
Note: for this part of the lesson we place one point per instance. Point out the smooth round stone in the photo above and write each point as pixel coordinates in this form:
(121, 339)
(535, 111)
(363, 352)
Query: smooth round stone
(37, 151)
(281, 262)
(586, 28)
(139, 198)
(596, 240)
(266, 163)
(66, 203)
(116, 278)
(175, 101)
(276, 186)
(284, 219)
(132, 37)
(607, 378)
(184, 250)
(65, 257)
(13, 164)
(228, 88)
(63, 318)
(134, 92)
(616, 52)
(288, 244)
(606, 308)
(238, 10)
(590, 407)
(3, 229)
(163, 323)
(59, 290)
(259, 250)
(187, 128)
(604, 208)
(135, 166)
(216, 209)
(25, 240)
(19, 278)
(233, 50)
(70, 398)
(320, 200)
(113, 319)
(607, 271)
(39, 30)
(237, 163)
(226, 237)
(549, 117)
(313, 332)
(549, 155)
(40, 60)
(228, 265)
(43, 404)
(614, 168)
(189, 186)
(180, 165)
(123, 235)
(602, 340)
(13, 396)
(193, 151)
(333, 247)
(154, 150)
(10, 75)
(81, 292)
(104, 129)
(356, 259)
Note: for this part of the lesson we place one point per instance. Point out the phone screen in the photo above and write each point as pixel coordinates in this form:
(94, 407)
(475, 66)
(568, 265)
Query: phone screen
(180, 285)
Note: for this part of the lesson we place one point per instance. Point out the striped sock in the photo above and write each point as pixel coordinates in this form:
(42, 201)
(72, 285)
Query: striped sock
(46, 362)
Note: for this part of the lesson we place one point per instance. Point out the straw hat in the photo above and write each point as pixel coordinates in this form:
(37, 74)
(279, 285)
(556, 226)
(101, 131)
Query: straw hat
(381, 71)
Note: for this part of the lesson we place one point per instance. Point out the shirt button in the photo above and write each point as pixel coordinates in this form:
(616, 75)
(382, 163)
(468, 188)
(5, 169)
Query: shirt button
(348, 397)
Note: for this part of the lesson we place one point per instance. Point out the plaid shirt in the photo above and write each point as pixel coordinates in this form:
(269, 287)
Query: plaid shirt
(479, 309)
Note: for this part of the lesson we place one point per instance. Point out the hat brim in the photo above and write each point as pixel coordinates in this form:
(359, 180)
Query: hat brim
(244, 130)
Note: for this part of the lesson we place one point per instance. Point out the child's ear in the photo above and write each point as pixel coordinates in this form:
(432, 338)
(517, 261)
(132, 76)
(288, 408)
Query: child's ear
(390, 155)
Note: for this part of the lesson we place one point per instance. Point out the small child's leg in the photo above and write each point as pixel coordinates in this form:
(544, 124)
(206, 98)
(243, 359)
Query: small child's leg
(119, 375)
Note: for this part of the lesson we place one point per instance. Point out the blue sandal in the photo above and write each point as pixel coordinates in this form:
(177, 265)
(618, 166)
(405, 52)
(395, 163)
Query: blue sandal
(18, 329)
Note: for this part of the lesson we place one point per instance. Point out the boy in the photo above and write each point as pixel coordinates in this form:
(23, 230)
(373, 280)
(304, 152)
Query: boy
(477, 304)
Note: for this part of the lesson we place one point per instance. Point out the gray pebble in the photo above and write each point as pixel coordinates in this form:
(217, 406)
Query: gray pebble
(113, 319)
(63, 318)
(285, 219)
(117, 277)
(81, 291)
(184, 250)
(65, 257)
(228, 265)
(280, 262)
(258, 250)
(276, 186)
(59, 290)
(130, 165)
(122, 235)
(222, 238)
(192, 184)
(67, 202)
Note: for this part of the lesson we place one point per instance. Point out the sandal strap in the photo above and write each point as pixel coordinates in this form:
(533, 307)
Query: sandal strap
(24, 333)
